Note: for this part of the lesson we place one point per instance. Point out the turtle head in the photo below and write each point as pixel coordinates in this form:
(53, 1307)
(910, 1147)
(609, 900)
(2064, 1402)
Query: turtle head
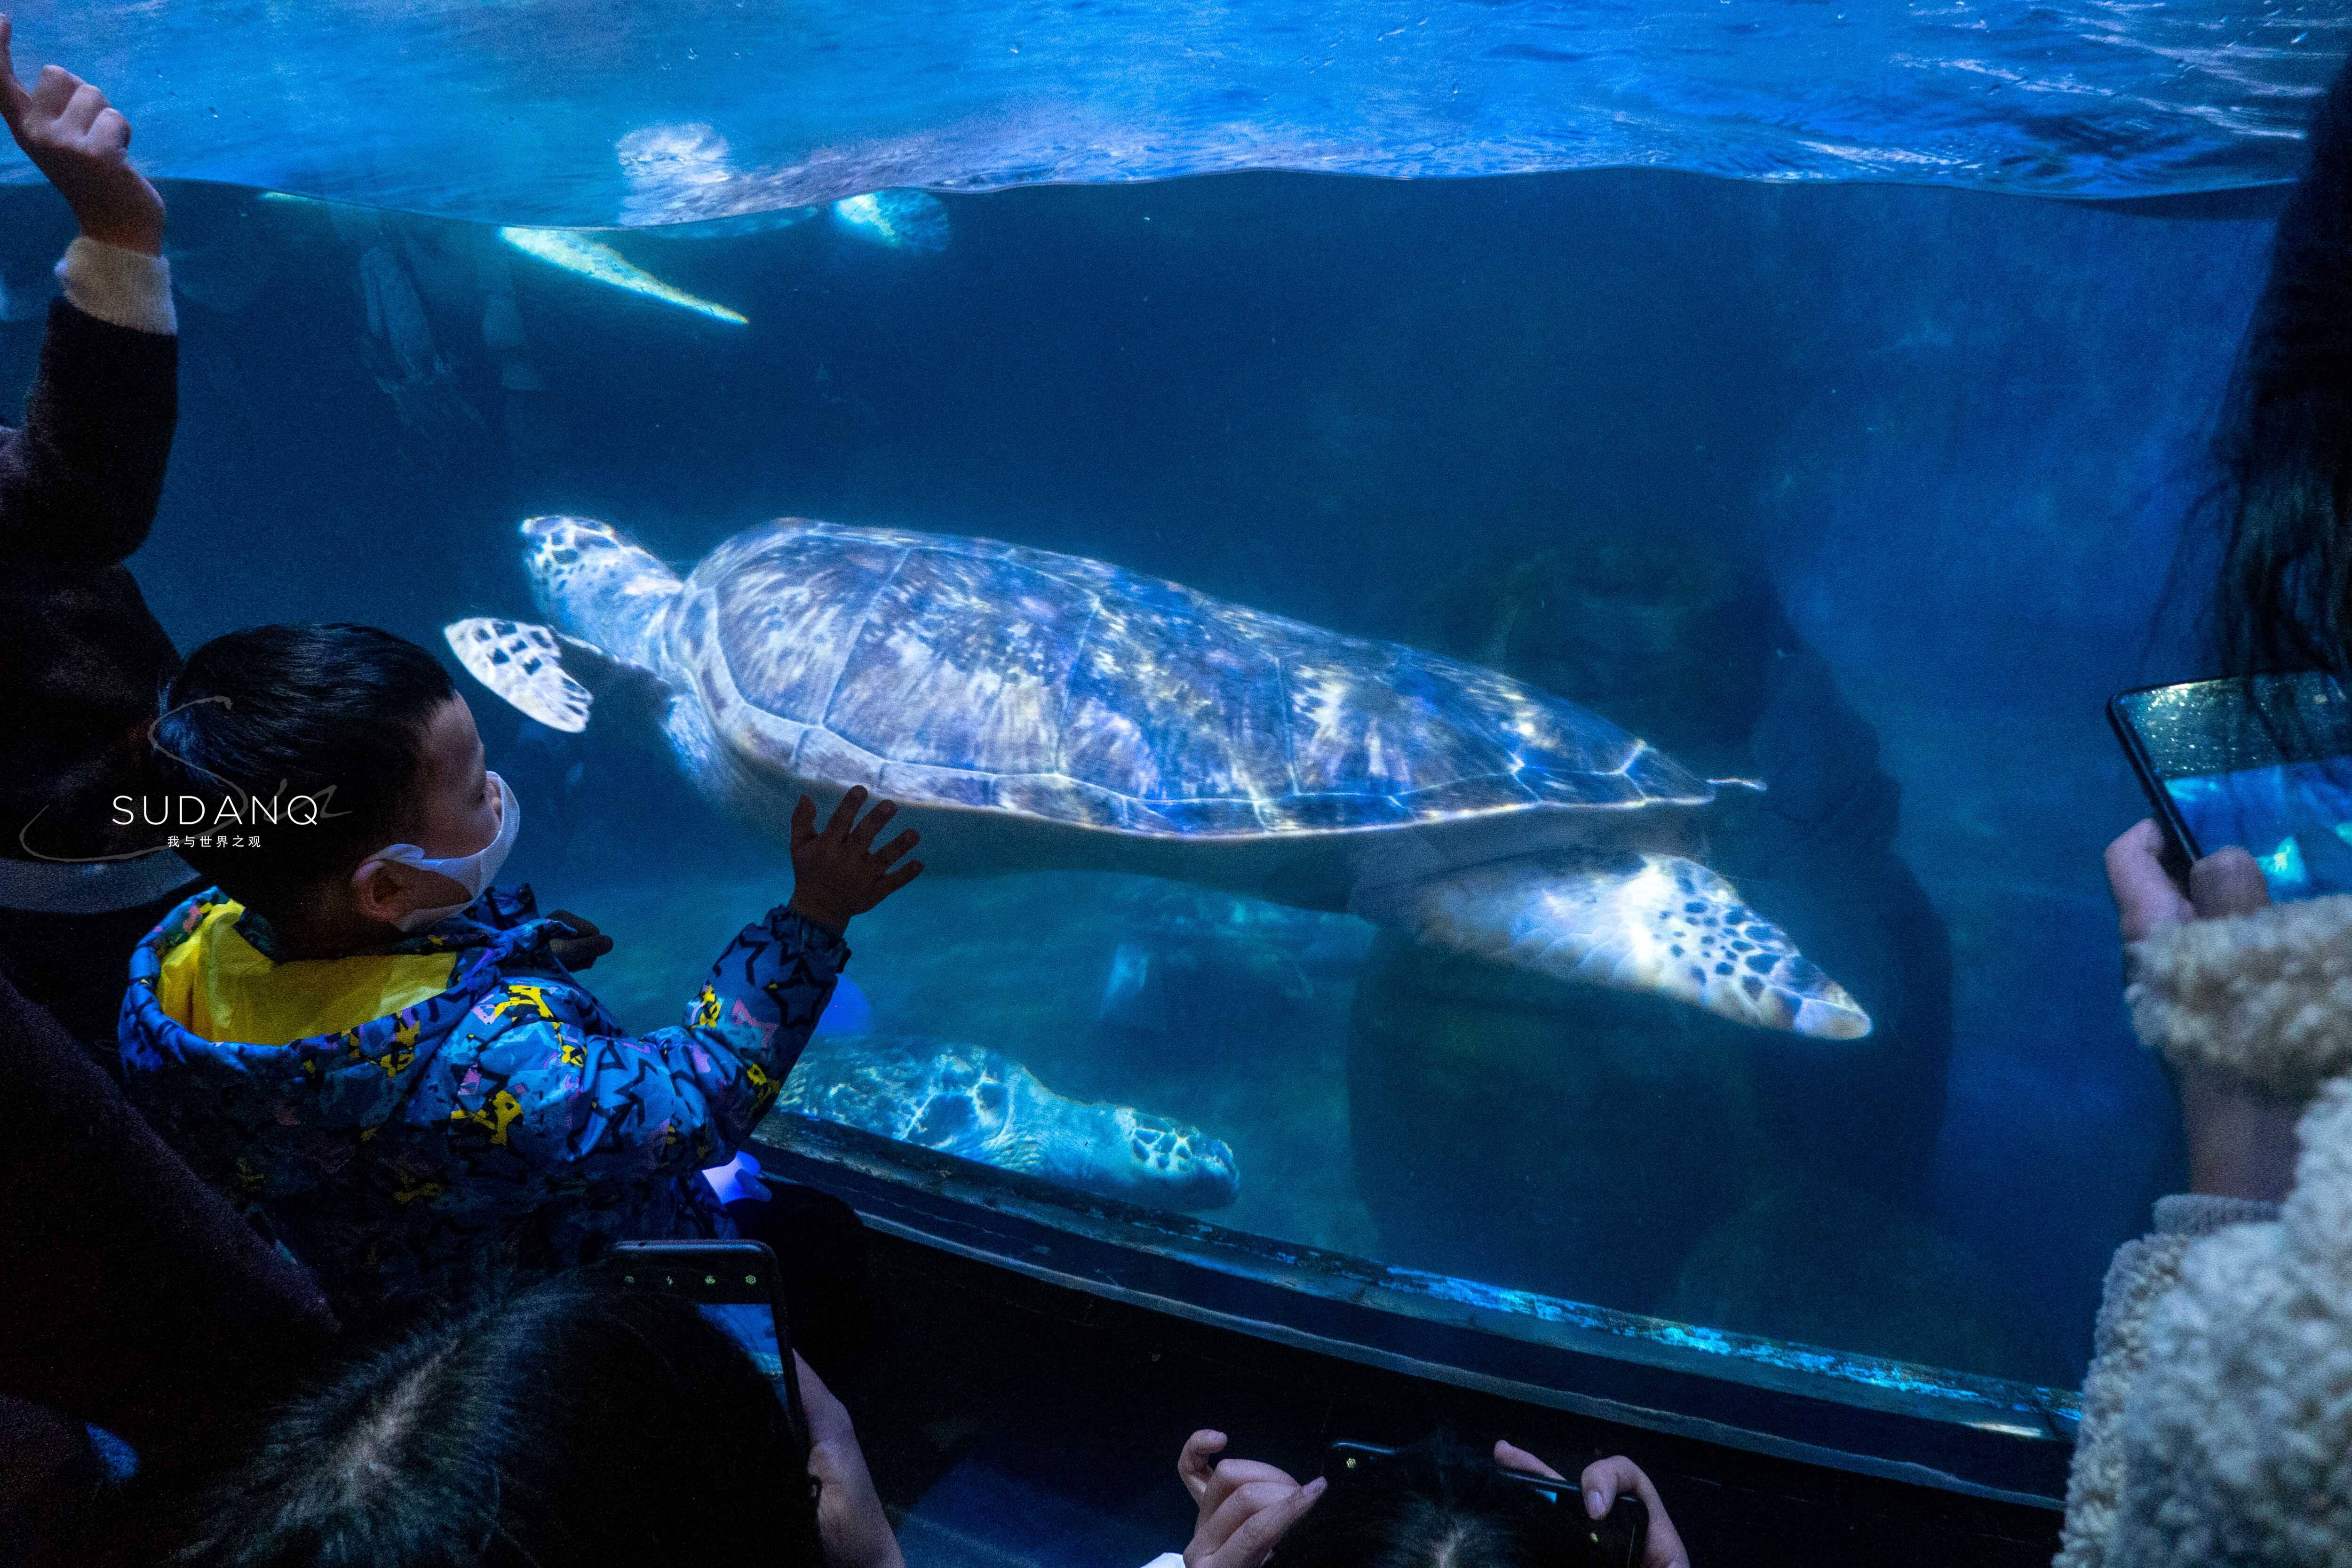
(1172, 1164)
(598, 584)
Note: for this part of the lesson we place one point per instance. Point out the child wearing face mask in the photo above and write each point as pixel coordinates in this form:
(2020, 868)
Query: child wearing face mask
(386, 1061)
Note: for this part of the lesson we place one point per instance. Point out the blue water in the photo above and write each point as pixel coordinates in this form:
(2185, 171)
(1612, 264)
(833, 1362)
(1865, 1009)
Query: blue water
(556, 112)
(1931, 449)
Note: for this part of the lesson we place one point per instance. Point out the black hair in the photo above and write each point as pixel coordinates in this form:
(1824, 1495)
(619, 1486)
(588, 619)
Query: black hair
(324, 726)
(1437, 1504)
(575, 1425)
(2285, 448)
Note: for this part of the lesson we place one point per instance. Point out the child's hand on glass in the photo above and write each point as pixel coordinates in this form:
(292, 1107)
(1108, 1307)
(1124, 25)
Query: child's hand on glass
(837, 874)
(82, 144)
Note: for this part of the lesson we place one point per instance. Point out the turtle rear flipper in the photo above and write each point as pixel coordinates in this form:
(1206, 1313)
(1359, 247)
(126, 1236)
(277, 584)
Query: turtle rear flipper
(1636, 921)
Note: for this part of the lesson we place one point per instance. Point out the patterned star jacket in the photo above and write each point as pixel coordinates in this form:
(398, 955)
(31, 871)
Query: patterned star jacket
(415, 1120)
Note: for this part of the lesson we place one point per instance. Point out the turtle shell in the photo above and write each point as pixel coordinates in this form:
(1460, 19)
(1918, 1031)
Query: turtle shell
(967, 672)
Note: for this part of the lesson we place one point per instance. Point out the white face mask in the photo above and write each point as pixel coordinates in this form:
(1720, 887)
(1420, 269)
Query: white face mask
(472, 872)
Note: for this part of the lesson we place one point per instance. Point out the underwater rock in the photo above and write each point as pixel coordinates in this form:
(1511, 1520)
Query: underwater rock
(1831, 1265)
(1224, 974)
(978, 1105)
(1596, 1134)
(401, 354)
(1605, 1133)
(899, 220)
(1687, 645)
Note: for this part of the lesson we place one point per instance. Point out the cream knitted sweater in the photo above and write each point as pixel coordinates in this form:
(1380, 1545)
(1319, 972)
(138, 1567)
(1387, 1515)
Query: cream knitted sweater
(2216, 1417)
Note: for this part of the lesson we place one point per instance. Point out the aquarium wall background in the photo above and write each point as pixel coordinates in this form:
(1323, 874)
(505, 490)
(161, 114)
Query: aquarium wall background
(1874, 490)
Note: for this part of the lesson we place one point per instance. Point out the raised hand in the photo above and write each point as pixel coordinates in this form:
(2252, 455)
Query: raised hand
(82, 144)
(837, 874)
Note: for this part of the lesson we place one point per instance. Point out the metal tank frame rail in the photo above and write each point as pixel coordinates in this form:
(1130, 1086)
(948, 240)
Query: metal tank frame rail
(1983, 1437)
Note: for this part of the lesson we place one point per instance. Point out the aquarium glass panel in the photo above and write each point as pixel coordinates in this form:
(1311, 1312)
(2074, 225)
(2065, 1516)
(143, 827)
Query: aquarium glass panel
(1544, 730)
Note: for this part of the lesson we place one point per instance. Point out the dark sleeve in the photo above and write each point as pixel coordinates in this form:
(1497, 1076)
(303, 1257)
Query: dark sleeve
(79, 482)
(130, 1294)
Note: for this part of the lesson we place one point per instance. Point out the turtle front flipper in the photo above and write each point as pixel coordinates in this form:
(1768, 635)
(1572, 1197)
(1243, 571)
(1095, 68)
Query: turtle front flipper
(1635, 922)
(557, 679)
(523, 664)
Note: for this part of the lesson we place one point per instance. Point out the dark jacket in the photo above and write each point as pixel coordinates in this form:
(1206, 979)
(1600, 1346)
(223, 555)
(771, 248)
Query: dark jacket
(80, 656)
(131, 1295)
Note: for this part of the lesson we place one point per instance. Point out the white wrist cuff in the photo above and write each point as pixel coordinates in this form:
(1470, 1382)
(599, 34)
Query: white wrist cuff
(127, 288)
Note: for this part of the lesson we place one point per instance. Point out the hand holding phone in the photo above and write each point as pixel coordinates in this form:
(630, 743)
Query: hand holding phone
(2148, 893)
(1606, 1483)
(731, 1284)
(2262, 764)
(1622, 1538)
(1244, 1507)
(849, 1517)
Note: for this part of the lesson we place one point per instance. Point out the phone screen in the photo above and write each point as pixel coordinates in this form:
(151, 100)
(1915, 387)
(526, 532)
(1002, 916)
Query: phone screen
(2265, 764)
(731, 1284)
(753, 1325)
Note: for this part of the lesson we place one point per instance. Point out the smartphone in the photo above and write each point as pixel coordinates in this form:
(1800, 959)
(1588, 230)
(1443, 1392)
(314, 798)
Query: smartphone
(732, 1284)
(2263, 763)
(1617, 1541)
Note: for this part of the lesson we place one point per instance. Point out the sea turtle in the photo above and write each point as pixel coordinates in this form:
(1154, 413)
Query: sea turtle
(972, 1102)
(1034, 710)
